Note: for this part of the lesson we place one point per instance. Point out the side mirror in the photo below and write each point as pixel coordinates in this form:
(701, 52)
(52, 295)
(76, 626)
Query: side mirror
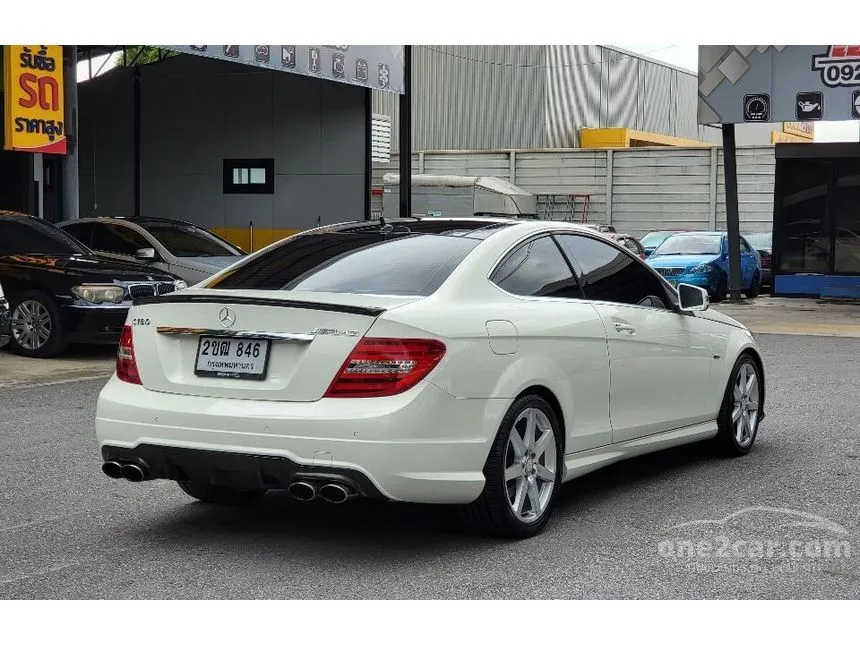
(692, 298)
(145, 254)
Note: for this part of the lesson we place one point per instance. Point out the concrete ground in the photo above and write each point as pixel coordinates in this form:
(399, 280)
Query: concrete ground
(769, 315)
(762, 315)
(781, 522)
(80, 362)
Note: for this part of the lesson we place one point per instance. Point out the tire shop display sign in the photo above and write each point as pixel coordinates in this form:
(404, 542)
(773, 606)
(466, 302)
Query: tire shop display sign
(778, 83)
(33, 98)
(379, 67)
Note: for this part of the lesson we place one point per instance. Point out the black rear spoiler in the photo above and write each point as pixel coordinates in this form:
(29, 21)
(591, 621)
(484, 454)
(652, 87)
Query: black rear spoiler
(261, 302)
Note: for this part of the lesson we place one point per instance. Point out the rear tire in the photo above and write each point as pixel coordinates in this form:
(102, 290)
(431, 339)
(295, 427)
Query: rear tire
(755, 287)
(722, 288)
(522, 471)
(740, 412)
(220, 494)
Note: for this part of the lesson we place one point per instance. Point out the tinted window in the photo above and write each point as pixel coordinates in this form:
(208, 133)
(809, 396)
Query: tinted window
(745, 247)
(690, 245)
(34, 237)
(537, 268)
(81, 231)
(186, 241)
(609, 274)
(116, 238)
(364, 262)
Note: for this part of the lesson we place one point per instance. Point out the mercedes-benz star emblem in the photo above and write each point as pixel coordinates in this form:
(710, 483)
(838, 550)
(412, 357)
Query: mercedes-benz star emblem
(227, 317)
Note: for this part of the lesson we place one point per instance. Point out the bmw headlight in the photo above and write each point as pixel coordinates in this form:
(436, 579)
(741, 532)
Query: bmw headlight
(180, 284)
(98, 294)
(702, 268)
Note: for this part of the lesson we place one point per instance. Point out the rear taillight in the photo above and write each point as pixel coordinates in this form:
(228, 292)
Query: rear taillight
(126, 365)
(765, 261)
(385, 366)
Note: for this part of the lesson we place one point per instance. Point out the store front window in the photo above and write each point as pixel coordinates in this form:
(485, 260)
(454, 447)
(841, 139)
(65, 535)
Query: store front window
(805, 230)
(846, 250)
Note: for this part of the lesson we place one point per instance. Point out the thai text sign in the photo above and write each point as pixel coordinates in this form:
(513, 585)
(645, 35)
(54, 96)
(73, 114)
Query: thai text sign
(778, 83)
(33, 91)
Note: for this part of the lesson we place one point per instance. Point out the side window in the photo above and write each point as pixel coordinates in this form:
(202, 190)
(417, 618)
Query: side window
(537, 268)
(610, 275)
(82, 232)
(115, 238)
(745, 248)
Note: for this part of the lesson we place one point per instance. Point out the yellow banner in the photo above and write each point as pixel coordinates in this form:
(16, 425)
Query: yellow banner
(799, 128)
(33, 91)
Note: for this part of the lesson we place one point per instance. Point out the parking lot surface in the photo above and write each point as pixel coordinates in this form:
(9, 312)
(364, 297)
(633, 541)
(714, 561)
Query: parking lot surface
(782, 522)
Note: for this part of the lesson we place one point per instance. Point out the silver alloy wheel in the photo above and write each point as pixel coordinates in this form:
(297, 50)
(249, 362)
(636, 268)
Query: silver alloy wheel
(31, 324)
(746, 404)
(530, 465)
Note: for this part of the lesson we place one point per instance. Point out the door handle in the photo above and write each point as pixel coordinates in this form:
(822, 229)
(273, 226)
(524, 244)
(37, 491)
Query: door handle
(624, 328)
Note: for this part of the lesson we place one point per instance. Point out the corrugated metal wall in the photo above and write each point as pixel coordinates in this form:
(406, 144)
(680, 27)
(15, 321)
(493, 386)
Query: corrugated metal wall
(473, 97)
(650, 188)
(476, 97)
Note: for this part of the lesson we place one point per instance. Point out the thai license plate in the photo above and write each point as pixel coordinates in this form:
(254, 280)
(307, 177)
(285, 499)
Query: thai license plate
(238, 358)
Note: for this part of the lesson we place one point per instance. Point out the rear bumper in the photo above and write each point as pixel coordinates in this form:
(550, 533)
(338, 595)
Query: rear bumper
(97, 325)
(233, 469)
(421, 446)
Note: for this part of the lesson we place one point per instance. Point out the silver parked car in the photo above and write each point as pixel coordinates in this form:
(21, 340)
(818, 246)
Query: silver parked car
(178, 247)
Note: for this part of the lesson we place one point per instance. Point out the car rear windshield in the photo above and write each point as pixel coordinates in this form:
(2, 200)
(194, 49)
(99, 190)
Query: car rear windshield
(365, 261)
(690, 245)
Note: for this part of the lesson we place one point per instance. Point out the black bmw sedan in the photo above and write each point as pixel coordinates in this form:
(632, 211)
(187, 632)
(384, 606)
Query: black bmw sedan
(60, 292)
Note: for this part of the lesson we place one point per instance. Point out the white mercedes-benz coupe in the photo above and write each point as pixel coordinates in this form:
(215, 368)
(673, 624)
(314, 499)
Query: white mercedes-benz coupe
(475, 362)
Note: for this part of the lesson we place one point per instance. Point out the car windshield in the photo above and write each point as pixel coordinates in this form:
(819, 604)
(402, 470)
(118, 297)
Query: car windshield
(30, 236)
(690, 245)
(188, 241)
(655, 238)
(759, 240)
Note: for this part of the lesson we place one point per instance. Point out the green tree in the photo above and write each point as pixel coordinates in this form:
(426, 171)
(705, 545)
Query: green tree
(141, 55)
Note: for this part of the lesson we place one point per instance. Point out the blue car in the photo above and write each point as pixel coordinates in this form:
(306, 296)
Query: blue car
(702, 259)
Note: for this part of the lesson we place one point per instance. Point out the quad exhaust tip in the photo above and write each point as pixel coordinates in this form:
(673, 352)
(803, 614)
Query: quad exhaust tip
(133, 473)
(336, 493)
(129, 471)
(112, 469)
(302, 491)
(331, 492)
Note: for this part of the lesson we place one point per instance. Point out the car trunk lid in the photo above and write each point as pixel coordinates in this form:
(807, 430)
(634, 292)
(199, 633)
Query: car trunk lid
(309, 336)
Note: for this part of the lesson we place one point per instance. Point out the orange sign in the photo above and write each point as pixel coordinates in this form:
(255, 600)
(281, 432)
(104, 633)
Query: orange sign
(33, 91)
